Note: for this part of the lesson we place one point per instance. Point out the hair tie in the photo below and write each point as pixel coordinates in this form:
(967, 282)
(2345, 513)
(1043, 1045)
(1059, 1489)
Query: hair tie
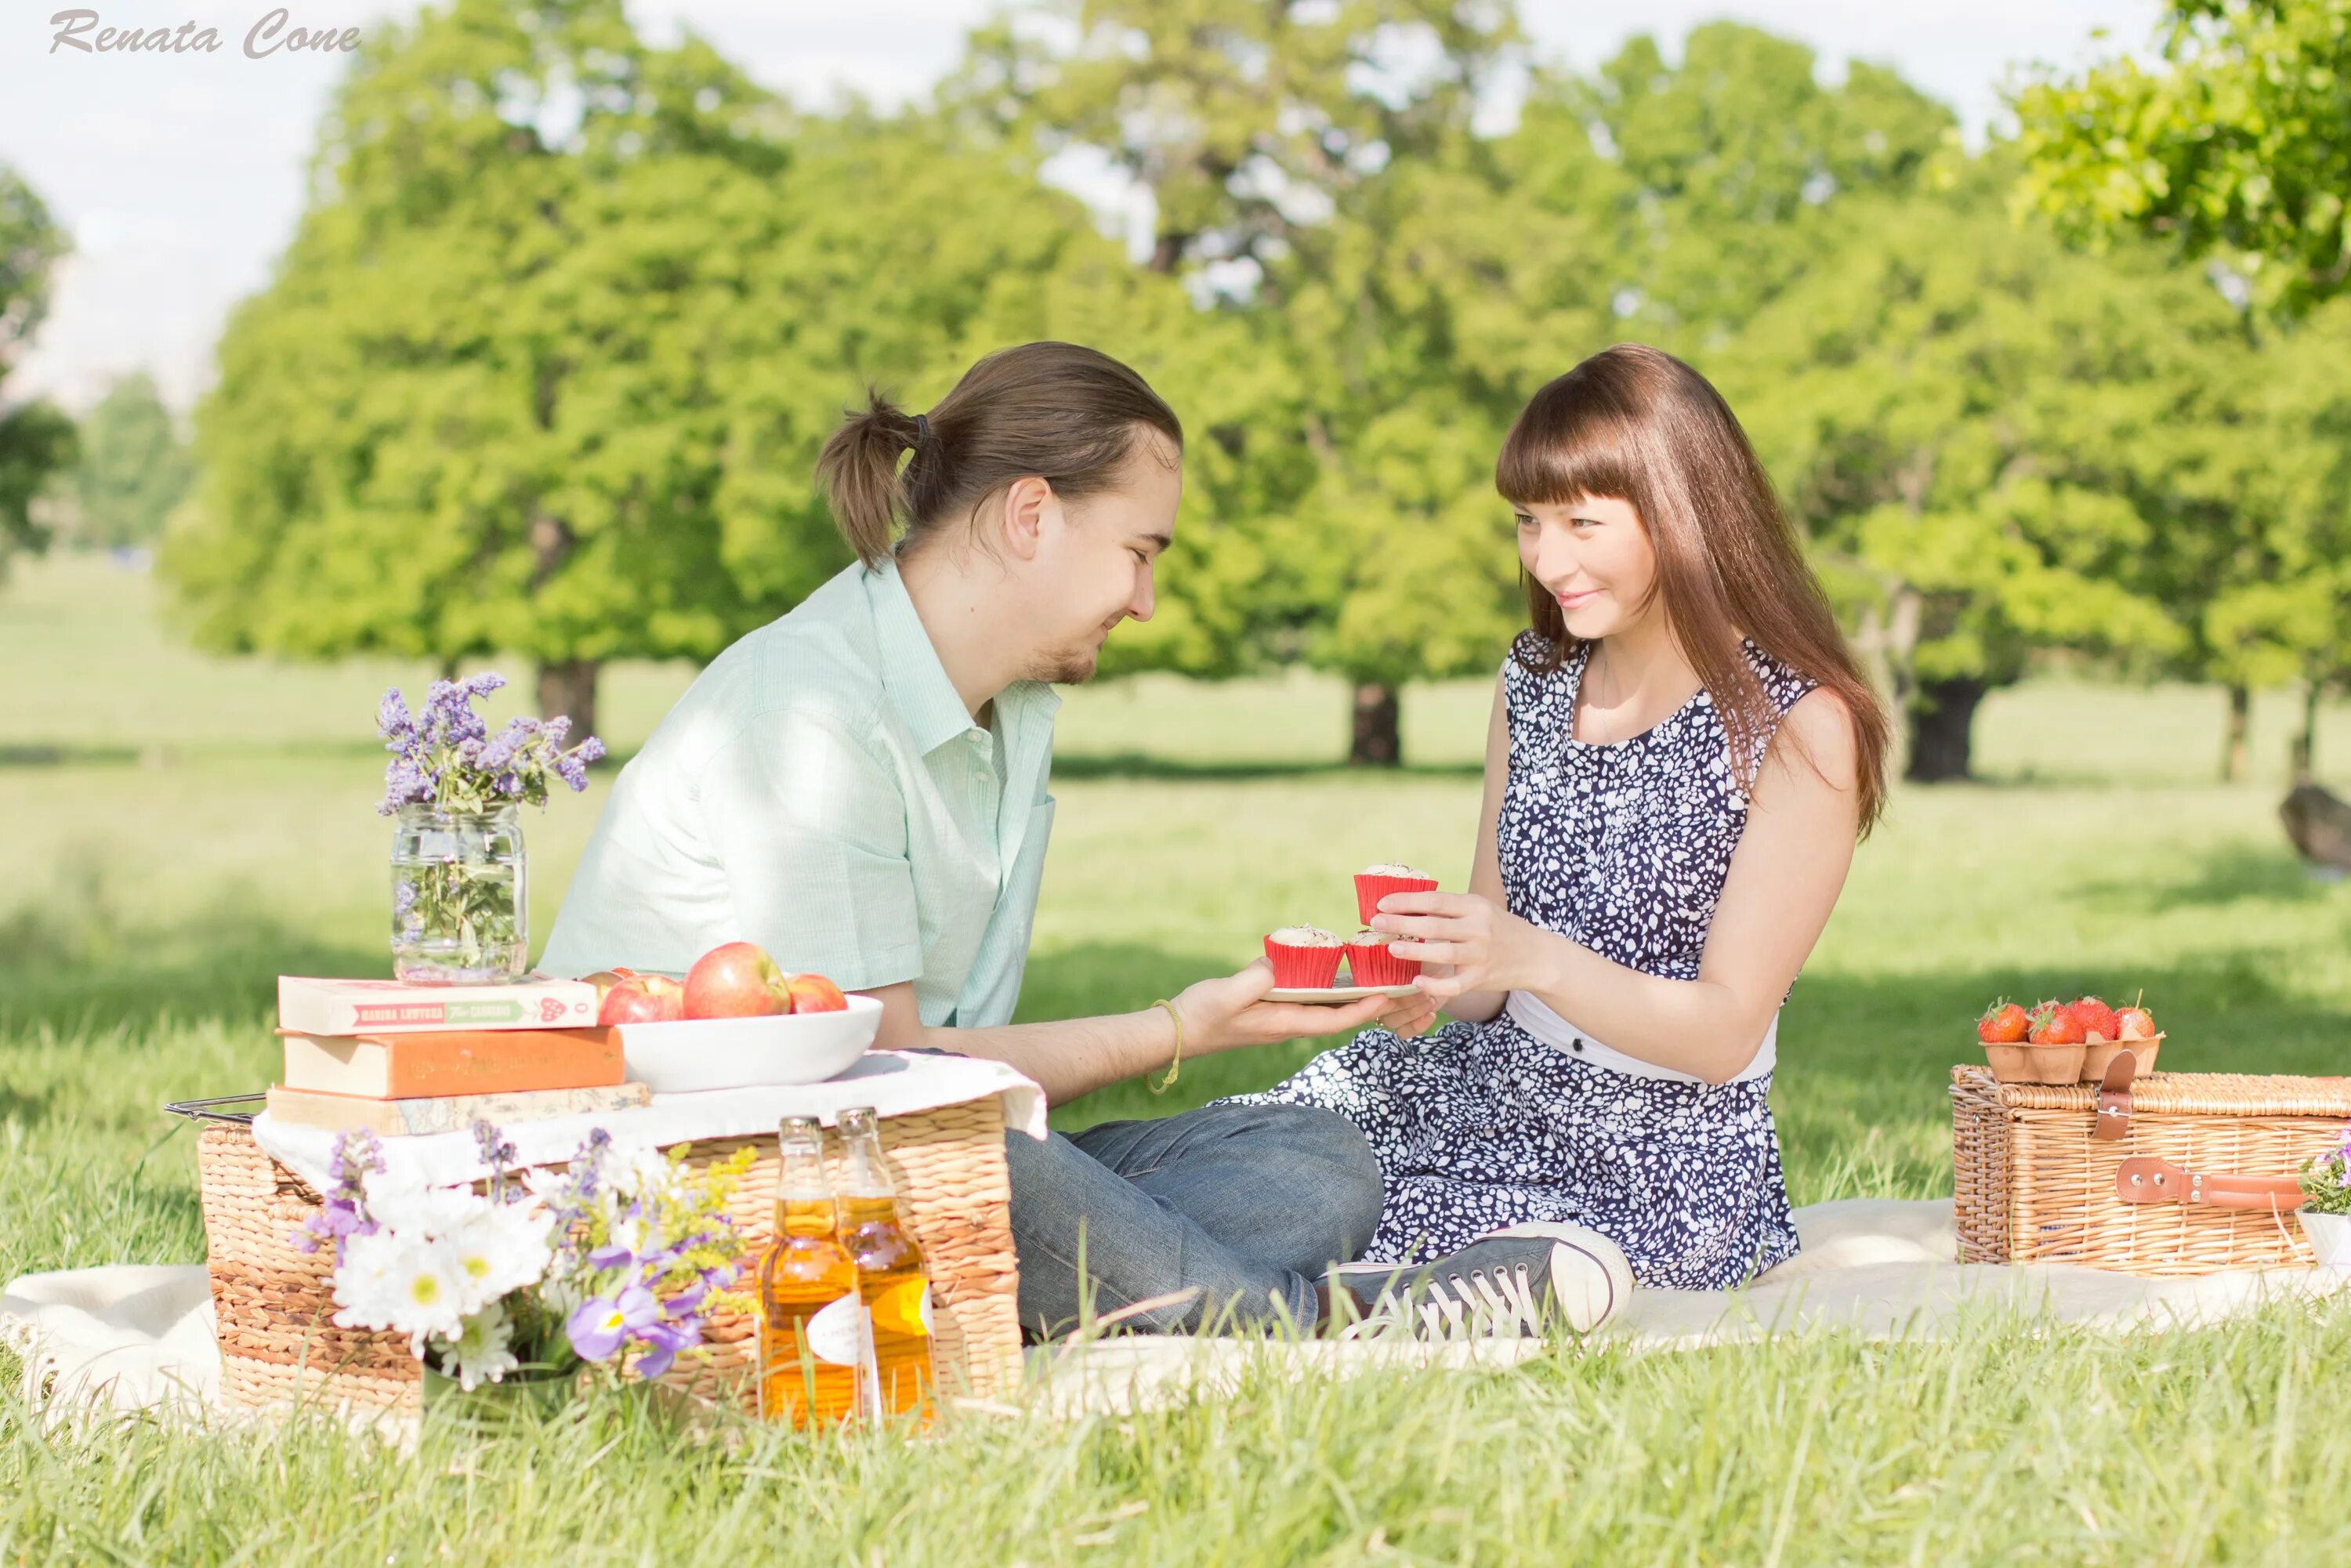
(922, 428)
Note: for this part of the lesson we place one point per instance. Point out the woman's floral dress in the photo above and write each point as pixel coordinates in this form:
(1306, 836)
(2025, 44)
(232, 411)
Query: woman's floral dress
(1622, 848)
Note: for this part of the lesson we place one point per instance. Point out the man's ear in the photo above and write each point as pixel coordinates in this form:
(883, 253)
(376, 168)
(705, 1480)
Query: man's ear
(1026, 501)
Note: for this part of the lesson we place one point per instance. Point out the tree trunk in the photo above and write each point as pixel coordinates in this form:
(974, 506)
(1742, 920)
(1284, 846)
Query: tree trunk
(1377, 738)
(2233, 752)
(2306, 745)
(567, 687)
(1939, 733)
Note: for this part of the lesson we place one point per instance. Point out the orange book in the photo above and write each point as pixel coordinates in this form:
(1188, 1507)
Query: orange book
(456, 1061)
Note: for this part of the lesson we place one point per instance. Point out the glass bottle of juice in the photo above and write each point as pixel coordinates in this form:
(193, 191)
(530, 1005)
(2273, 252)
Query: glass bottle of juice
(890, 1274)
(812, 1344)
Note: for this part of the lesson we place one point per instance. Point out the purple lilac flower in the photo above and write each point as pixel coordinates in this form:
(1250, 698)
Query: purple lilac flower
(573, 765)
(498, 753)
(404, 784)
(392, 720)
(572, 1200)
(342, 1211)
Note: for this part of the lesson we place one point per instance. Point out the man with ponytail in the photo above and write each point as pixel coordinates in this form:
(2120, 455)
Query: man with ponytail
(859, 788)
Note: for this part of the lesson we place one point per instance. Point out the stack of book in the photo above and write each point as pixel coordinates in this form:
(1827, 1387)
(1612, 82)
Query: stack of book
(397, 1059)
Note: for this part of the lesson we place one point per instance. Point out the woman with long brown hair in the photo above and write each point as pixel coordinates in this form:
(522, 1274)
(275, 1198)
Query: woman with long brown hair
(1682, 755)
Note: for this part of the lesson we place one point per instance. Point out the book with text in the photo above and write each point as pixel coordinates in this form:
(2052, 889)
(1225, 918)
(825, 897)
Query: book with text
(308, 1006)
(420, 1066)
(446, 1113)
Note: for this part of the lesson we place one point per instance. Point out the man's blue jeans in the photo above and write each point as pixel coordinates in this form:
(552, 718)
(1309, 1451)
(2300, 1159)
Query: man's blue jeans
(1248, 1203)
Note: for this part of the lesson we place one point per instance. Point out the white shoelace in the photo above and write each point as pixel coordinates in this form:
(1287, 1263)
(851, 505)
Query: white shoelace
(1483, 1306)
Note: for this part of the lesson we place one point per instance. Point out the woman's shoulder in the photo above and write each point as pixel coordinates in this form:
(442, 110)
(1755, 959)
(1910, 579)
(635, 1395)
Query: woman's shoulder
(1783, 682)
(1536, 675)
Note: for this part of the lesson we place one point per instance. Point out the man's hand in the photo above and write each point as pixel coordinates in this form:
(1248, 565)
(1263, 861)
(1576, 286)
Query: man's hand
(1223, 1014)
(1412, 1016)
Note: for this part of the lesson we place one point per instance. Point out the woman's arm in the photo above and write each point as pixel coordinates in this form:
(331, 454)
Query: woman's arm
(1071, 1057)
(1413, 1015)
(1781, 884)
(1486, 871)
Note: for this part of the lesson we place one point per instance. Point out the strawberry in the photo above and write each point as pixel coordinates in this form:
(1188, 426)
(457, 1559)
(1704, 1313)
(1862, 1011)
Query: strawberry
(2135, 1023)
(2097, 1018)
(2054, 1024)
(2003, 1023)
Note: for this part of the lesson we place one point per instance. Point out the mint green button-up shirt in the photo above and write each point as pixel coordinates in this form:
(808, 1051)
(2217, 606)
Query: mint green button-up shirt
(821, 790)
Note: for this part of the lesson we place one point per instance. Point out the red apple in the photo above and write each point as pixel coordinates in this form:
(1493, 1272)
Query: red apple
(642, 998)
(605, 979)
(737, 980)
(815, 994)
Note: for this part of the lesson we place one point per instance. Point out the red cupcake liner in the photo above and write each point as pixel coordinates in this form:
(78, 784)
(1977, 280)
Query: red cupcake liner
(1303, 969)
(1371, 964)
(1370, 890)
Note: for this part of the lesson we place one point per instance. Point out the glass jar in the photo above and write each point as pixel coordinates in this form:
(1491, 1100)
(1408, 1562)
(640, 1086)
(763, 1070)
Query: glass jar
(460, 912)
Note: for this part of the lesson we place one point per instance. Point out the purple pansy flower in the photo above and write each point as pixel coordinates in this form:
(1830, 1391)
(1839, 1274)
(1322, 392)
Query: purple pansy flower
(598, 1326)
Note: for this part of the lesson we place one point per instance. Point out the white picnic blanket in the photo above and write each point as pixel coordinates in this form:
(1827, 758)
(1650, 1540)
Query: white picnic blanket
(138, 1337)
(895, 1082)
(1878, 1267)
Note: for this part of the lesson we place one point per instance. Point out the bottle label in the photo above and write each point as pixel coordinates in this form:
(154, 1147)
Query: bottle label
(904, 1307)
(837, 1334)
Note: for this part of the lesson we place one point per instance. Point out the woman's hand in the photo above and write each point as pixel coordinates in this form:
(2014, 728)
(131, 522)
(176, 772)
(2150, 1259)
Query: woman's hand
(1226, 1013)
(1473, 943)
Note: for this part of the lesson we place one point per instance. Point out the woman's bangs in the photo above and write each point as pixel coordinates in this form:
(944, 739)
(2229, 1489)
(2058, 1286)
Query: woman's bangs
(1555, 454)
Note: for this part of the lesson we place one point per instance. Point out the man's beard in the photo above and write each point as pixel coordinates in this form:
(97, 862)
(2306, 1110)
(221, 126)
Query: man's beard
(1067, 666)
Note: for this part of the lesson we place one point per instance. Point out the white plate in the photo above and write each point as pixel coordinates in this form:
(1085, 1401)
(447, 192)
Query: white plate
(739, 1053)
(1333, 995)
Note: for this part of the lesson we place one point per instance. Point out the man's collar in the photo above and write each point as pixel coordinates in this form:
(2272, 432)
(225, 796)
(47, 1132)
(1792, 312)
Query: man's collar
(918, 683)
(927, 700)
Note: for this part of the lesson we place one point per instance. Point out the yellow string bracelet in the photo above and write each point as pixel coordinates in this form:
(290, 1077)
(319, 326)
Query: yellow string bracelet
(1175, 1064)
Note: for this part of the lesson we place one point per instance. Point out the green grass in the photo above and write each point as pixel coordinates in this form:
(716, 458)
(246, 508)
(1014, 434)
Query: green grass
(179, 830)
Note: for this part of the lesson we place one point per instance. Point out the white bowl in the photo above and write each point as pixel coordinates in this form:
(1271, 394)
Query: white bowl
(739, 1053)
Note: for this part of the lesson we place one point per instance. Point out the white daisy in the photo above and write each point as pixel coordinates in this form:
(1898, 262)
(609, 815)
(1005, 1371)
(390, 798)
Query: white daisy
(480, 1353)
(414, 1209)
(409, 1285)
(501, 1248)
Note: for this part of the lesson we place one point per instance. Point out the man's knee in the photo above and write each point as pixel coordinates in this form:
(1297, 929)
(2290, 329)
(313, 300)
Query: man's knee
(1348, 1171)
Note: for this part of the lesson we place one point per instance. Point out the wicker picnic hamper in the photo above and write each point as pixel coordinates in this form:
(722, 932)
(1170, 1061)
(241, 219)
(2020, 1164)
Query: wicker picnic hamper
(275, 1314)
(2172, 1174)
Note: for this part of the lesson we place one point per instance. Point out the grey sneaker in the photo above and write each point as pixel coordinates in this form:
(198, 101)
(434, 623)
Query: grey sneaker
(1507, 1284)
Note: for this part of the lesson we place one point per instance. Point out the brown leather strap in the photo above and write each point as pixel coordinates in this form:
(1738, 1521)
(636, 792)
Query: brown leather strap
(2144, 1178)
(2113, 1119)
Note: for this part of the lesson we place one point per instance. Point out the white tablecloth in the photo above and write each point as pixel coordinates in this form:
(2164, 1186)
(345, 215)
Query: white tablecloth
(895, 1082)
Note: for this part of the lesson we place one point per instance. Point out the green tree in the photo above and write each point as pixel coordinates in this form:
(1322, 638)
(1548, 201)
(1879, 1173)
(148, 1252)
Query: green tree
(133, 469)
(2238, 147)
(547, 367)
(1416, 282)
(36, 440)
(2238, 150)
(1253, 127)
(2000, 447)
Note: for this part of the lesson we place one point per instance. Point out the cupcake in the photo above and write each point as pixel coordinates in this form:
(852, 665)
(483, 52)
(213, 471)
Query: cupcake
(1305, 958)
(1371, 964)
(1375, 882)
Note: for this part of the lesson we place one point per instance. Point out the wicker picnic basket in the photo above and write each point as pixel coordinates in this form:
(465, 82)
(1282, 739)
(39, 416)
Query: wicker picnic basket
(275, 1315)
(2172, 1174)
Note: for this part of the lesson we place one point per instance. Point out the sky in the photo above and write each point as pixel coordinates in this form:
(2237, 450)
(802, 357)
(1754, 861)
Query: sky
(180, 176)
